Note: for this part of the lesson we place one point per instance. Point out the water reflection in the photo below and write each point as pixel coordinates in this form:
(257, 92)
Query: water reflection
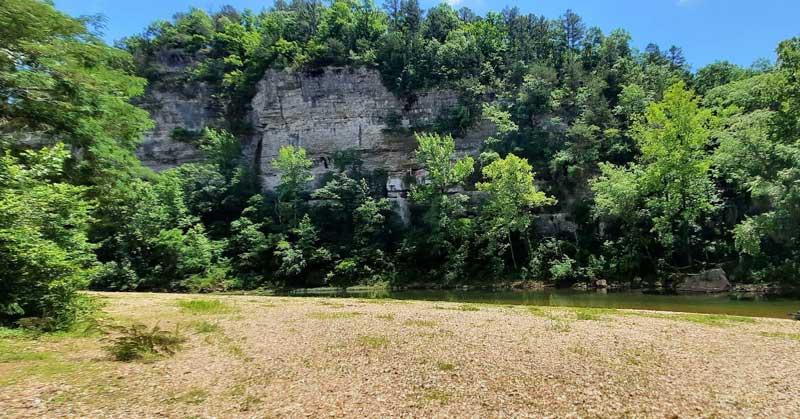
(712, 304)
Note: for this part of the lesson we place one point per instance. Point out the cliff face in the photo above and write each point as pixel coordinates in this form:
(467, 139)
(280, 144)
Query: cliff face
(344, 109)
(334, 110)
(177, 107)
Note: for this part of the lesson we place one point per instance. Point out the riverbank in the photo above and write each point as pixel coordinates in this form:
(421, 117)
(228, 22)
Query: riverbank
(257, 356)
(718, 303)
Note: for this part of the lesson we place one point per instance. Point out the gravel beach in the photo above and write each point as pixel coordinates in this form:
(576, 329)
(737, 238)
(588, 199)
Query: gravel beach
(317, 357)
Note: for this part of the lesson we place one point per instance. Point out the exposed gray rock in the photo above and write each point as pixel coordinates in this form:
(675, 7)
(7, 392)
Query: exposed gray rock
(346, 109)
(710, 281)
(176, 103)
(170, 111)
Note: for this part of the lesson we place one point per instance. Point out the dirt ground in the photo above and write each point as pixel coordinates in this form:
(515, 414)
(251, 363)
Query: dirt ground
(258, 357)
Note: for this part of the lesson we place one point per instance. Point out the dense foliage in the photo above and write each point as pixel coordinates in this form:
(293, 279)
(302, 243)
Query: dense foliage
(657, 169)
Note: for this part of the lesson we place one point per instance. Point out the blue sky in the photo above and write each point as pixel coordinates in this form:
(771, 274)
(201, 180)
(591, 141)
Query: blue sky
(739, 31)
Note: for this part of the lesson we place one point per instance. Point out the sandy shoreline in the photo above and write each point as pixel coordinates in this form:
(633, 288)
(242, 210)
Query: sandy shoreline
(320, 357)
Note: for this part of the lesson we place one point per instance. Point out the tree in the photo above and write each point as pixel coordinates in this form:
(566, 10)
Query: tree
(294, 168)
(760, 151)
(298, 257)
(670, 186)
(58, 81)
(436, 154)
(366, 260)
(512, 195)
(717, 74)
(440, 21)
(45, 254)
(573, 29)
(449, 229)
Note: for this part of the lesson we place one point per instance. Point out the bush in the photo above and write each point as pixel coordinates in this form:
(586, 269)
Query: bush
(45, 256)
(138, 342)
(215, 279)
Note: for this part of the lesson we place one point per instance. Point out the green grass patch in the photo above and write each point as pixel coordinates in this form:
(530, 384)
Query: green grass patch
(640, 357)
(385, 316)
(590, 313)
(324, 315)
(538, 311)
(17, 333)
(720, 320)
(462, 307)
(580, 350)
(783, 335)
(204, 307)
(46, 368)
(193, 396)
(17, 352)
(559, 325)
(420, 323)
(373, 341)
(445, 366)
(436, 395)
(205, 327)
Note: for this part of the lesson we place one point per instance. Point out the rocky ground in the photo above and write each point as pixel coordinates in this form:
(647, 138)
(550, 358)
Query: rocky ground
(257, 357)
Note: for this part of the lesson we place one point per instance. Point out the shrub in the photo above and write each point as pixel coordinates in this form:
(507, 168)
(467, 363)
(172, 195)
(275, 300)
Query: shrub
(45, 256)
(215, 279)
(138, 341)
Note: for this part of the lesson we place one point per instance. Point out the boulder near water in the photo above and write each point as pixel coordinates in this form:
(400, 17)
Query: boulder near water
(710, 281)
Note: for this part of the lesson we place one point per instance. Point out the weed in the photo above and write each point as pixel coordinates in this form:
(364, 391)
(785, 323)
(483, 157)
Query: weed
(204, 306)
(420, 323)
(441, 333)
(385, 316)
(445, 366)
(468, 307)
(436, 395)
(15, 352)
(374, 342)
(205, 327)
(559, 325)
(538, 311)
(721, 320)
(322, 315)
(193, 396)
(580, 350)
(138, 342)
(42, 368)
(640, 357)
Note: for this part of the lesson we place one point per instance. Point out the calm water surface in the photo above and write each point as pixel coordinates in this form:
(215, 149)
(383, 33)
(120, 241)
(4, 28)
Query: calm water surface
(712, 304)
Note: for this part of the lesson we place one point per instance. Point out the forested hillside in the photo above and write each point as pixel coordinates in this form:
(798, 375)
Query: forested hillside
(662, 170)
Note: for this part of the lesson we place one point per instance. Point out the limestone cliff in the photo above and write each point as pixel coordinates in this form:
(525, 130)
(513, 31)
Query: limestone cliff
(344, 109)
(176, 106)
(324, 112)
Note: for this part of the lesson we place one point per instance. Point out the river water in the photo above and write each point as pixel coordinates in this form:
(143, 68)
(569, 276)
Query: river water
(711, 304)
